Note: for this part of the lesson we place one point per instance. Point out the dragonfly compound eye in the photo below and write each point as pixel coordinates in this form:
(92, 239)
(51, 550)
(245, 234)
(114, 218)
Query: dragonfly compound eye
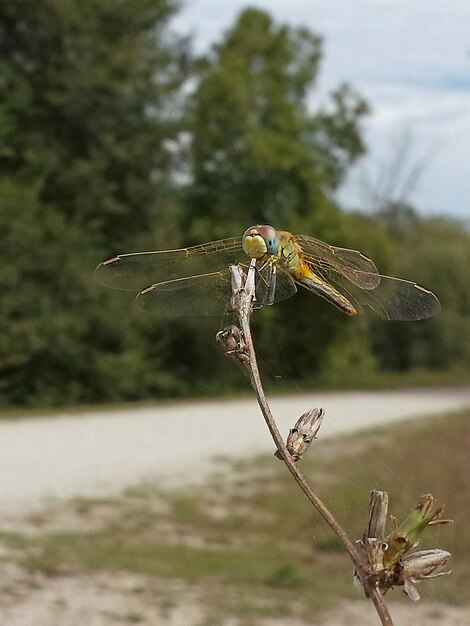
(272, 245)
(264, 237)
(254, 245)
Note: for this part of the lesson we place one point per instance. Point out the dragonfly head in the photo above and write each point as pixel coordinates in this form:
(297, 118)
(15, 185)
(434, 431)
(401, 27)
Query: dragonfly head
(260, 240)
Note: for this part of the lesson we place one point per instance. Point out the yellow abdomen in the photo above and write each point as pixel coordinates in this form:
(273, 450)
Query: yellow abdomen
(290, 258)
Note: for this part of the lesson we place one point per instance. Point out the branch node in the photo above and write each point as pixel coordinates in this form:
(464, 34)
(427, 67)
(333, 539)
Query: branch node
(232, 340)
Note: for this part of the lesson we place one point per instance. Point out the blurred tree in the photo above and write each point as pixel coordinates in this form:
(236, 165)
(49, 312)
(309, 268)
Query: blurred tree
(400, 220)
(259, 155)
(89, 96)
(435, 253)
(349, 356)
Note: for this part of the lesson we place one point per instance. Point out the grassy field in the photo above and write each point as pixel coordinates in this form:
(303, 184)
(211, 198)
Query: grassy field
(247, 540)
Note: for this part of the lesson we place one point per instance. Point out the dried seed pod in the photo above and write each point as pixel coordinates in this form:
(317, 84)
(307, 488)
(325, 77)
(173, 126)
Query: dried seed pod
(303, 433)
(420, 566)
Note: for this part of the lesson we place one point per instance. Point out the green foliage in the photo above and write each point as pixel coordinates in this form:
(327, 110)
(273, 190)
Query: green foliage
(86, 88)
(87, 91)
(349, 357)
(258, 154)
(101, 152)
(434, 253)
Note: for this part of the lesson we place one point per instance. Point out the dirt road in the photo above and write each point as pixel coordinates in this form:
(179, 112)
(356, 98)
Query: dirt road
(104, 452)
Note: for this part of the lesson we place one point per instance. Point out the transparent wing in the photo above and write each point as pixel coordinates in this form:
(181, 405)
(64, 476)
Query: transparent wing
(392, 299)
(206, 294)
(134, 272)
(351, 264)
(397, 299)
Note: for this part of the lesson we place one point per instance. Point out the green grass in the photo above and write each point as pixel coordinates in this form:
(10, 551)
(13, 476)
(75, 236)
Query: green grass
(397, 380)
(251, 538)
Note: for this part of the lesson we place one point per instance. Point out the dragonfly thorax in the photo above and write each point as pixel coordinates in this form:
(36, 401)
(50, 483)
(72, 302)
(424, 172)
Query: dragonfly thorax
(258, 241)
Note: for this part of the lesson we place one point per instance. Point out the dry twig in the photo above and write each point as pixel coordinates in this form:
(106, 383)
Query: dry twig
(239, 345)
(380, 561)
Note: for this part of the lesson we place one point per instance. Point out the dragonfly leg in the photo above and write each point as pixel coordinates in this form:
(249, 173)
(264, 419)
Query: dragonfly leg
(266, 285)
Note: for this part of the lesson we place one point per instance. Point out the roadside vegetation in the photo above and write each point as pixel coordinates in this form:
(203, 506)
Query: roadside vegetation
(276, 385)
(244, 542)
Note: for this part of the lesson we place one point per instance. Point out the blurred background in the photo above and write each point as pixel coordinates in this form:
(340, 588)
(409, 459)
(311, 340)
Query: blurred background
(149, 125)
(144, 126)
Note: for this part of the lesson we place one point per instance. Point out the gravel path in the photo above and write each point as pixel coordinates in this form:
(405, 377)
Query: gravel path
(101, 453)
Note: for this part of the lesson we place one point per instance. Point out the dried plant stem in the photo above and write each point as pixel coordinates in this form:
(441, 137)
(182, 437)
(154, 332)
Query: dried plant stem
(242, 303)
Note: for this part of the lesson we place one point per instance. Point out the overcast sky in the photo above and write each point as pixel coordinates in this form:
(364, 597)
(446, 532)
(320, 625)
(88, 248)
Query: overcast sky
(411, 60)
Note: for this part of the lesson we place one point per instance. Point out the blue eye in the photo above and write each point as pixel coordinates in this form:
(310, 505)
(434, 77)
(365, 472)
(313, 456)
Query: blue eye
(272, 245)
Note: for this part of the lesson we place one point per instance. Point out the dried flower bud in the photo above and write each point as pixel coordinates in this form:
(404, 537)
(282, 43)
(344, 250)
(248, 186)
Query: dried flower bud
(231, 338)
(303, 433)
(234, 343)
(420, 566)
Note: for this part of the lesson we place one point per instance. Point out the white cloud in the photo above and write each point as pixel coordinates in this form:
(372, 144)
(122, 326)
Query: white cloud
(437, 126)
(409, 58)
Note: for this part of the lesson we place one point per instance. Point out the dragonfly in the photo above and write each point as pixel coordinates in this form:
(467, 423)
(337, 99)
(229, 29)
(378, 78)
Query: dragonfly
(197, 280)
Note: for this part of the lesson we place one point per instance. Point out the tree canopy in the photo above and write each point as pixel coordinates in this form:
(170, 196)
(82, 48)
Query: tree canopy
(259, 153)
